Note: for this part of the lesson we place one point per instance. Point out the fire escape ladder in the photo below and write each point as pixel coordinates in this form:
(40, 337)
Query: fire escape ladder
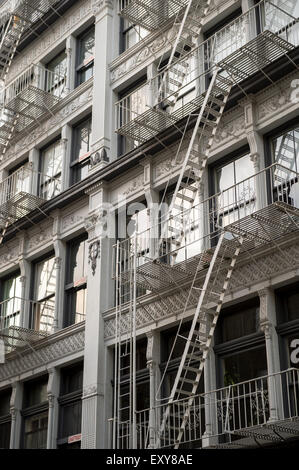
(197, 154)
(199, 340)
(186, 30)
(125, 350)
(12, 33)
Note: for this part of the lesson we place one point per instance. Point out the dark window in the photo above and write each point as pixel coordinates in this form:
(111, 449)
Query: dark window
(244, 366)
(35, 413)
(86, 45)
(131, 34)
(5, 419)
(81, 151)
(35, 392)
(238, 322)
(76, 281)
(288, 304)
(70, 405)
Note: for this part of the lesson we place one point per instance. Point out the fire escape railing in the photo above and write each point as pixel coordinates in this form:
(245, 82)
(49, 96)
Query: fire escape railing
(199, 226)
(229, 410)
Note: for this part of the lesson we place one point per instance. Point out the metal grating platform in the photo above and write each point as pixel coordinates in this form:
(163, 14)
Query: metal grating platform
(30, 104)
(277, 219)
(15, 337)
(152, 14)
(20, 205)
(29, 10)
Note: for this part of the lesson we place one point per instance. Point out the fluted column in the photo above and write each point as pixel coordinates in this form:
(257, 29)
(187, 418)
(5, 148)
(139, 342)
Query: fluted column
(16, 418)
(153, 359)
(53, 393)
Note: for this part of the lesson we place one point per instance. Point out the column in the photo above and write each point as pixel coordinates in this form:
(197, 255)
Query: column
(153, 360)
(53, 394)
(16, 418)
(210, 400)
(25, 269)
(71, 63)
(152, 200)
(250, 19)
(256, 145)
(100, 297)
(66, 139)
(60, 258)
(268, 326)
(106, 48)
(34, 155)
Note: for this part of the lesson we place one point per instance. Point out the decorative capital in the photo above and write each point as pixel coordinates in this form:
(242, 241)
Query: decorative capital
(100, 156)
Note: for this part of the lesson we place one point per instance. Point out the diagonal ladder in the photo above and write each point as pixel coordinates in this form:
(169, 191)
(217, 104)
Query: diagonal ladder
(201, 333)
(194, 164)
(12, 33)
(189, 28)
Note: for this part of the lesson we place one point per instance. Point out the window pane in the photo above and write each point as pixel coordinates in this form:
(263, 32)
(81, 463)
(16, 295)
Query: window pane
(239, 324)
(245, 366)
(57, 74)
(80, 305)
(86, 46)
(45, 279)
(78, 262)
(51, 169)
(36, 428)
(82, 139)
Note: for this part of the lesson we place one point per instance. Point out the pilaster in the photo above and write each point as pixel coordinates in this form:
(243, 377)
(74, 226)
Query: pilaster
(53, 393)
(16, 418)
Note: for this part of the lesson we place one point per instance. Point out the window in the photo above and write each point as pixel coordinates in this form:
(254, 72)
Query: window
(44, 295)
(5, 419)
(81, 151)
(131, 34)
(35, 413)
(86, 45)
(70, 405)
(285, 152)
(239, 322)
(56, 75)
(237, 197)
(244, 366)
(10, 305)
(51, 168)
(76, 281)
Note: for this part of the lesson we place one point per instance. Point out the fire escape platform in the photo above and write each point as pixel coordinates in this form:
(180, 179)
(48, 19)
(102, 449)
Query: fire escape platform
(152, 14)
(263, 50)
(20, 205)
(31, 104)
(16, 337)
(264, 227)
(264, 435)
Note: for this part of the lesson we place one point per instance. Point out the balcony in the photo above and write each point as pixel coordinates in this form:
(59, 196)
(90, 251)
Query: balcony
(11, 313)
(264, 208)
(151, 14)
(29, 11)
(236, 416)
(27, 99)
(238, 51)
(24, 191)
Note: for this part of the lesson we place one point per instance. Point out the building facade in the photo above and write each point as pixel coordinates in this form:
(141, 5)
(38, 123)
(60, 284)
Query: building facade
(149, 217)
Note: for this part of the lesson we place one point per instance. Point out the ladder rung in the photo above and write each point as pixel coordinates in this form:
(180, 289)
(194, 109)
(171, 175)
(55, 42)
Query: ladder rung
(189, 381)
(191, 369)
(185, 198)
(189, 187)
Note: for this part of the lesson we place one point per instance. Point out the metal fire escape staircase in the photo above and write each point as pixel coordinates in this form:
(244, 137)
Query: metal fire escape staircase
(236, 67)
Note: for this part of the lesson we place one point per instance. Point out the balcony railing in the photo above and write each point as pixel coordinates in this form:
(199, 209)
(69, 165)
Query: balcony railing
(271, 400)
(197, 228)
(24, 191)
(13, 310)
(133, 111)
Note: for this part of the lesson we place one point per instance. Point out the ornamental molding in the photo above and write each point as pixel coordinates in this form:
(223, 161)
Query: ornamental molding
(62, 344)
(94, 253)
(8, 255)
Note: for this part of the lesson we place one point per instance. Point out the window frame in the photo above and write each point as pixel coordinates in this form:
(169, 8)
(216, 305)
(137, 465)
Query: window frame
(82, 67)
(47, 180)
(82, 160)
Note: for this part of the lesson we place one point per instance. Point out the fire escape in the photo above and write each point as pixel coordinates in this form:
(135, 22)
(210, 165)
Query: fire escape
(24, 101)
(234, 228)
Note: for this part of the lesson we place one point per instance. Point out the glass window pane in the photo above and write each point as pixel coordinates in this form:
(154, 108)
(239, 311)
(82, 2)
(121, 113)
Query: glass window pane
(82, 140)
(45, 283)
(86, 47)
(245, 366)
